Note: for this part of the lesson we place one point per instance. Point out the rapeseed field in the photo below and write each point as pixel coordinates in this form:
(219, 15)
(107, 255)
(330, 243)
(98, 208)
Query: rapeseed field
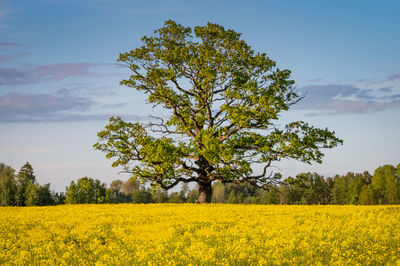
(182, 234)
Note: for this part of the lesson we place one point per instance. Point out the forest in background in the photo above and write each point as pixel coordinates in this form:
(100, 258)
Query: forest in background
(383, 187)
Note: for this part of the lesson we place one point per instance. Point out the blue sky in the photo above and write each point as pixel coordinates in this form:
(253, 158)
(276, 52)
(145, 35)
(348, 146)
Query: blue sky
(59, 81)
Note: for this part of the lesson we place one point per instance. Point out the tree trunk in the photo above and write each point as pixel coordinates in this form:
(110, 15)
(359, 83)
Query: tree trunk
(205, 193)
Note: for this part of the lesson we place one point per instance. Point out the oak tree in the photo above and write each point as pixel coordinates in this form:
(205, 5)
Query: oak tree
(223, 101)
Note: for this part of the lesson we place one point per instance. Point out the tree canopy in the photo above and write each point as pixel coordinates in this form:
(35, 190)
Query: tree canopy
(86, 190)
(23, 189)
(8, 185)
(223, 101)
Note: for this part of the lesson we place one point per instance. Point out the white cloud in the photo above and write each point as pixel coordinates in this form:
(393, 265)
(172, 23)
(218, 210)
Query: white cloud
(340, 99)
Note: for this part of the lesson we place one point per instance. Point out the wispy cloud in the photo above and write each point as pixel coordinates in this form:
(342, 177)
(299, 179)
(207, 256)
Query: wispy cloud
(90, 90)
(89, 117)
(24, 107)
(114, 105)
(385, 90)
(5, 15)
(10, 51)
(40, 102)
(11, 56)
(389, 81)
(35, 108)
(9, 44)
(65, 70)
(343, 99)
(13, 77)
(394, 77)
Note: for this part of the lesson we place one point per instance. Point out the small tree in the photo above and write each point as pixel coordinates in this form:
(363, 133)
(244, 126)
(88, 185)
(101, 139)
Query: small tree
(129, 186)
(25, 177)
(268, 196)
(115, 192)
(366, 195)
(232, 197)
(385, 184)
(86, 190)
(141, 195)
(223, 99)
(8, 185)
(32, 195)
(160, 196)
(218, 193)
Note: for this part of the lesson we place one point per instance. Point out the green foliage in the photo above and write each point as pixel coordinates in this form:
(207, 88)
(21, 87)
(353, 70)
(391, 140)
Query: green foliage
(315, 190)
(218, 193)
(175, 197)
(46, 197)
(193, 196)
(36, 195)
(305, 188)
(346, 189)
(386, 185)
(223, 99)
(86, 190)
(366, 195)
(141, 195)
(23, 190)
(232, 197)
(355, 189)
(8, 185)
(340, 189)
(268, 196)
(120, 192)
(25, 177)
(31, 195)
(160, 196)
(58, 198)
(398, 172)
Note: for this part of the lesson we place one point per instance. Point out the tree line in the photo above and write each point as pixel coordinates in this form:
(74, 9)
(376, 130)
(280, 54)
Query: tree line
(22, 189)
(383, 187)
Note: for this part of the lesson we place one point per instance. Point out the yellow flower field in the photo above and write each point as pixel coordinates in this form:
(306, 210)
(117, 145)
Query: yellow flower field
(183, 234)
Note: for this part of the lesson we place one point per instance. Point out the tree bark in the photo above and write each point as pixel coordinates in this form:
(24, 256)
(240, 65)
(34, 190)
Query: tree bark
(205, 193)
